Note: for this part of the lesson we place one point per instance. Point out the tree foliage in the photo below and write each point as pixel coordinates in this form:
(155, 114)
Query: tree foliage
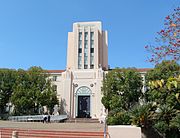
(121, 91)
(28, 91)
(32, 91)
(168, 39)
(161, 108)
(163, 91)
(7, 79)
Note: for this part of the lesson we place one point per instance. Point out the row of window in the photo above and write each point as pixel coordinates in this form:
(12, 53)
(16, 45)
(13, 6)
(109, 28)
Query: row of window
(86, 36)
(86, 50)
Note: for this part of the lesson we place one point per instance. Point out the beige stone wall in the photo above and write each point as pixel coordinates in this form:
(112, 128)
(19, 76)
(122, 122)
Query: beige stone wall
(93, 80)
(122, 131)
(70, 51)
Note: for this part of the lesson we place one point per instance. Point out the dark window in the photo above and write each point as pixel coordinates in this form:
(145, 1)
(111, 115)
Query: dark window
(92, 50)
(80, 35)
(54, 88)
(85, 66)
(54, 78)
(80, 50)
(91, 66)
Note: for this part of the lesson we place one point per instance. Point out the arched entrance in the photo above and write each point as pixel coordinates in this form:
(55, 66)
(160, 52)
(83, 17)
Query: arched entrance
(83, 102)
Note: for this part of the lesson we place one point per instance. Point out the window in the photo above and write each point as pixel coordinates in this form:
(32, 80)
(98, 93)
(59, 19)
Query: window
(85, 50)
(92, 60)
(80, 50)
(54, 87)
(92, 50)
(79, 61)
(80, 35)
(85, 66)
(86, 36)
(79, 66)
(92, 40)
(80, 44)
(85, 44)
(85, 60)
(91, 66)
(92, 44)
(54, 78)
(92, 36)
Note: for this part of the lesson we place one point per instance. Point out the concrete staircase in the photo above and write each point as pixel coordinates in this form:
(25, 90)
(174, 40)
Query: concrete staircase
(27, 133)
(81, 120)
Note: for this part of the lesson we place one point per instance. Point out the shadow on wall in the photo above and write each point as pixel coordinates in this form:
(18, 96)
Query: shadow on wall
(63, 105)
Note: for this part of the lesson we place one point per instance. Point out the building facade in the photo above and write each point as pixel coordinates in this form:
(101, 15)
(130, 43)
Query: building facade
(79, 86)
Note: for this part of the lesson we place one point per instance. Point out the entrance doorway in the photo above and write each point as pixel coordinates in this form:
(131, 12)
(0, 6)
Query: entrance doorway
(83, 107)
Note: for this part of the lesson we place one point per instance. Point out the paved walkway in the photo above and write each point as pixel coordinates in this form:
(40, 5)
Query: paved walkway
(90, 127)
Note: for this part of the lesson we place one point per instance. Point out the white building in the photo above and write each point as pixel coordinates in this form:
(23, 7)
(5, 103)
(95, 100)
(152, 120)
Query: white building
(79, 86)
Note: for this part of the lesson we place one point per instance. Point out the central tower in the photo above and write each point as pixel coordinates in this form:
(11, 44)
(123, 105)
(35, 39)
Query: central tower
(87, 46)
(87, 61)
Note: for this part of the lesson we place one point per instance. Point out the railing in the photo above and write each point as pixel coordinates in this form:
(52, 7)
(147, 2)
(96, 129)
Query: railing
(105, 127)
(37, 118)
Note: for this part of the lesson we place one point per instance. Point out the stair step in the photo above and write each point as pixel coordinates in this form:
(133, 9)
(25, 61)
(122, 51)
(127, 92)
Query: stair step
(81, 120)
(26, 133)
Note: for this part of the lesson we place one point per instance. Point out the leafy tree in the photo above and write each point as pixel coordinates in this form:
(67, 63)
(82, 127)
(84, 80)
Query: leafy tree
(7, 81)
(164, 70)
(168, 40)
(32, 91)
(121, 91)
(175, 122)
(141, 115)
(158, 80)
(163, 91)
(118, 116)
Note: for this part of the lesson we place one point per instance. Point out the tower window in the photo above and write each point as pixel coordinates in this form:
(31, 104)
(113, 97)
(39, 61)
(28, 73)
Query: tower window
(92, 50)
(85, 66)
(92, 66)
(92, 36)
(85, 50)
(79, 62)
(80, 43)
(92, 40)
(80, 35)
(86, 35)
(80, 51)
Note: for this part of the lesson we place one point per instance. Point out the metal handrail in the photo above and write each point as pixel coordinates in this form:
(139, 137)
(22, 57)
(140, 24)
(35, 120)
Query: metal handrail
(105, 127)
(36, 118)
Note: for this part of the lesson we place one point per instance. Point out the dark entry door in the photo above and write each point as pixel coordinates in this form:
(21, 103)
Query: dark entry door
(84, 106)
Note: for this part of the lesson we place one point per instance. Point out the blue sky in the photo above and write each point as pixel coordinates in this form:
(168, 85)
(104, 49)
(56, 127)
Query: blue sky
(34, 32)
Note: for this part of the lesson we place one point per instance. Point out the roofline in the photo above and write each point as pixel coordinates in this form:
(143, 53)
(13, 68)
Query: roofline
(138, 69)
(55, 71)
